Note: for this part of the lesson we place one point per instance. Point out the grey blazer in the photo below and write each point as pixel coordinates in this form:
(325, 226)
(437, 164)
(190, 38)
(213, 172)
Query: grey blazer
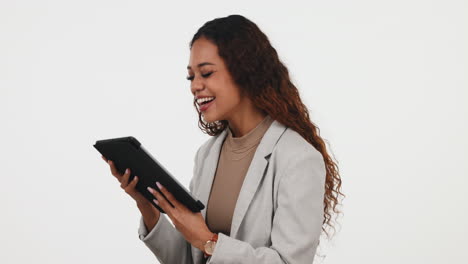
(278, 214)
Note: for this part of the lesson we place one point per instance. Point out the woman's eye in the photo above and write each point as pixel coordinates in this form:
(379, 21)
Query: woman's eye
(190, 78)
(206, 75)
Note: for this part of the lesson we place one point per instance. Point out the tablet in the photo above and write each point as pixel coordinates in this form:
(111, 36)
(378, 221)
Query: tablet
(127, 152)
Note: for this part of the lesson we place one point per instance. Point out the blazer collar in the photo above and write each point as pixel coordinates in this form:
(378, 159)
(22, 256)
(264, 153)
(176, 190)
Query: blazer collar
(252, 178)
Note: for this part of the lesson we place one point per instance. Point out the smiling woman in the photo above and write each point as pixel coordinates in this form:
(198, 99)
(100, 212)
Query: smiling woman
(267, 179)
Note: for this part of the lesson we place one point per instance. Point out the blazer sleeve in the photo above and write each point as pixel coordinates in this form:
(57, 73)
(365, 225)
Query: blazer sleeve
(165, 241)
(297, 220)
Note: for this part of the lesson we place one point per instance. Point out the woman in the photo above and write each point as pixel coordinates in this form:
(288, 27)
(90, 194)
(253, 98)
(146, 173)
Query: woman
(265, 176)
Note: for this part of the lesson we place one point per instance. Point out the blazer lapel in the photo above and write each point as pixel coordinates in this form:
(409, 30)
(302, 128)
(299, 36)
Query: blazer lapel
(255, 173)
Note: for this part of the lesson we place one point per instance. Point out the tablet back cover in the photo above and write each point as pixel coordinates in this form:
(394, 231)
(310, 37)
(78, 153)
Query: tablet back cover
(127, 152)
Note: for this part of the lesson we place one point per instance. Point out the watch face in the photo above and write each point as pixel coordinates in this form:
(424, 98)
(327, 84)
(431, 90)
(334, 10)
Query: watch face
(209, 247)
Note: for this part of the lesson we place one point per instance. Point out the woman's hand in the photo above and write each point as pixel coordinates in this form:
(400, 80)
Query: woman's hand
(128, 187)
(191, 225)
(148, 211)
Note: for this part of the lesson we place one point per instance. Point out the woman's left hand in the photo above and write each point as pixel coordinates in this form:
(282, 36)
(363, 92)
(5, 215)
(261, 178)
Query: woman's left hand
(191, 225)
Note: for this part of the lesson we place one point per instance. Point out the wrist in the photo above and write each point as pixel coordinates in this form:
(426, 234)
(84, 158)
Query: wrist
(148, 211)
(147, 206)
(210, 245)
(204, 238)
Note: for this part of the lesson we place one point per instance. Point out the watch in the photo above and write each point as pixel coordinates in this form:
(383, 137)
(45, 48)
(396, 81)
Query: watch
(210, 246)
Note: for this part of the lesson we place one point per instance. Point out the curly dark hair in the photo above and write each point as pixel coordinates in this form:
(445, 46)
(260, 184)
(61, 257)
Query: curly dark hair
(256, 68)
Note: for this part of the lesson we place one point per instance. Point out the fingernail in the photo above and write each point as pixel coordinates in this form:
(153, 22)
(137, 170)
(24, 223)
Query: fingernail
(109, 161)
(135, 178)
(126, 171)
(155, 201)
(149, 189)
(159, 185)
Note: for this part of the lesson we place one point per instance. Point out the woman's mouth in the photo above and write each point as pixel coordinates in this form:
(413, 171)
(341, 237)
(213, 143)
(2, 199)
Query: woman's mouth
(205, 105)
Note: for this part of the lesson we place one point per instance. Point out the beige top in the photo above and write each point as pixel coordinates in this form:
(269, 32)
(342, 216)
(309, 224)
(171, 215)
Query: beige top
(234, 161)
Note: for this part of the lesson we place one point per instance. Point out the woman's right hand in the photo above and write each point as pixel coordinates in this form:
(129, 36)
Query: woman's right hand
(148, 211)
(128, 187)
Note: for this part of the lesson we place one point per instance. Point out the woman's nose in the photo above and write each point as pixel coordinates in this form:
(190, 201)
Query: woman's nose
(197, 85)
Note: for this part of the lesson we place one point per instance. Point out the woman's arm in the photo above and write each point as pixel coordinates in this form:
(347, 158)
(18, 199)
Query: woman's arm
(297, 221)
(150, 215)
(165, 242)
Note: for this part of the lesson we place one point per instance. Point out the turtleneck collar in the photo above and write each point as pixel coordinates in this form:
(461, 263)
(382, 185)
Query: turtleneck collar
(252, 138)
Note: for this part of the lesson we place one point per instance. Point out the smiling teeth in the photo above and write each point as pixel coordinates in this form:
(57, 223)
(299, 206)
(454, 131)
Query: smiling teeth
(204, 99)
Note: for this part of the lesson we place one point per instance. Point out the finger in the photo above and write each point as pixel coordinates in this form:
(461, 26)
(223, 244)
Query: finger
(169, 196)
(124, 179)
(133, 192)
(114, 170)
(161, 201)
(131, 187)
(133, 183)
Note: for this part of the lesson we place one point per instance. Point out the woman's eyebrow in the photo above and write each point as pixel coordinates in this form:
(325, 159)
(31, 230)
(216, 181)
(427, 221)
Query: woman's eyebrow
(201, 64)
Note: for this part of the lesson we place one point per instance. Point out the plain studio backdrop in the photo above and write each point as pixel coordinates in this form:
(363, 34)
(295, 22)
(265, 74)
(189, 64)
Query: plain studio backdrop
(386, 82)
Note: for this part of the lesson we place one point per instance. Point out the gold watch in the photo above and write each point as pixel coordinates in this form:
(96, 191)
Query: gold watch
(210, 246)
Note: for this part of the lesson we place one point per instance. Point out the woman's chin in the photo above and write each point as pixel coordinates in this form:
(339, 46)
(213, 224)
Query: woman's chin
(208, 118)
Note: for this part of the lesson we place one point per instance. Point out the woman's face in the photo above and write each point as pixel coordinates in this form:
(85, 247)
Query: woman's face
(210, 77)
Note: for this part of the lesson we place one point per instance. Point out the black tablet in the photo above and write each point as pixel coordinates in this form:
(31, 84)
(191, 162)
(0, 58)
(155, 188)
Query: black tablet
(127, 152)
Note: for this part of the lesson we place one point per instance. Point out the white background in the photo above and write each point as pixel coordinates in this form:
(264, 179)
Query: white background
(385, 81)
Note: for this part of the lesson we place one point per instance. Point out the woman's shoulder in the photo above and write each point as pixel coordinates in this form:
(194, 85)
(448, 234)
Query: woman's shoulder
(293, 156)
(293, 152)
(292, 143)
